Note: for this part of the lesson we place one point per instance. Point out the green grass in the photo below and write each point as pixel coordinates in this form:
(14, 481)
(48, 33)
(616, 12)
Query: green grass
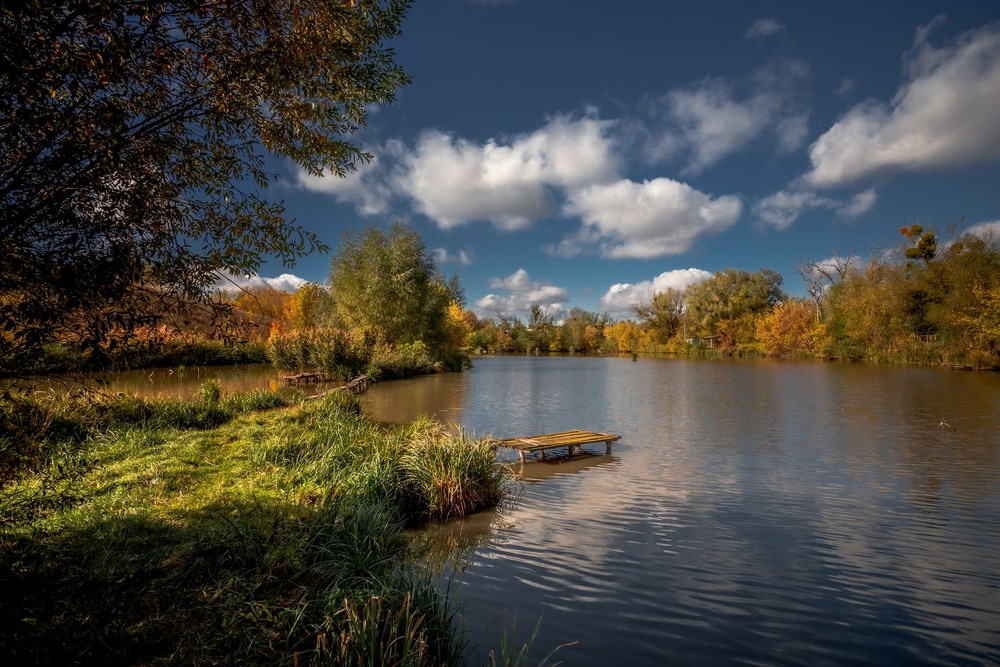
(216, 530)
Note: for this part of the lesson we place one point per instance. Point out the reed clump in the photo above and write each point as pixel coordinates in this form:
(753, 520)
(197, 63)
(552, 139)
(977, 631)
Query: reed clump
(216, 530)
(344, 354)
(447, 473)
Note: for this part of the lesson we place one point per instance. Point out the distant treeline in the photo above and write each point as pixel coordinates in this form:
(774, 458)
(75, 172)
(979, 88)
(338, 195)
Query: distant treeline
(925, 302)
(389, 309)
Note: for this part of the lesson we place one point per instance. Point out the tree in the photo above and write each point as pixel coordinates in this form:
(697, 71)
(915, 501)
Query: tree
(387, 286)
(819, 276)
(461, 324)
(866, 312)
(264, 302)
(923, 245)
(983, 319)
(582, 330)
(730, 303)
(788, 329)
(664, 313)
(304, 308)
(133, 140)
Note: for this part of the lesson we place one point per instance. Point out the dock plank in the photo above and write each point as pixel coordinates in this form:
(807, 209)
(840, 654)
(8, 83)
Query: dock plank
(572, 438)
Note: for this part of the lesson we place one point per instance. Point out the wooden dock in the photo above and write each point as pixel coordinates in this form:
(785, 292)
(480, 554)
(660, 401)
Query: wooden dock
(571, 440)
(303, 378)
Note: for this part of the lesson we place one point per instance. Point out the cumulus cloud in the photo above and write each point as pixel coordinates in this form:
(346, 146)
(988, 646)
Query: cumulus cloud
(719, 116)
(943, 116)
(784, 207)
(454, 181)
(764, 27)
(442, 256)
(654, 218)
(286, 282)
(365, 188)
(988, 231)
(621, 298)
(522, 294)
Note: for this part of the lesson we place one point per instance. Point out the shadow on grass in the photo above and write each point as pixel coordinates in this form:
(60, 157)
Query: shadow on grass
(235, 583)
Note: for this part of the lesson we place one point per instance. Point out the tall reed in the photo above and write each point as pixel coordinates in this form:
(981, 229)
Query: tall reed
(449, 474)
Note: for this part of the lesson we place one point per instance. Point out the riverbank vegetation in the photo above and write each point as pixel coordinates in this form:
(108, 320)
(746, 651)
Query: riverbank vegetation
(162, 117)
(388, 313)
(140, 531)
(926, 302)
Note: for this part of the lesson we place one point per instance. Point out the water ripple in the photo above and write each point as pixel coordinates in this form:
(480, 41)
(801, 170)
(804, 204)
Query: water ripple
(753, 514)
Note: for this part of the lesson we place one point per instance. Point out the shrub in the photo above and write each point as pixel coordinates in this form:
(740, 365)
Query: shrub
(449, 474)
(328, 350)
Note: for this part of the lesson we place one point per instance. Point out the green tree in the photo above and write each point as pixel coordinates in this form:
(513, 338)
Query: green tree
(983, 319)
(730, 303)
(922, 244)
(540, 330)
(387, 286)
(583, 331)
(304, 309)
(867, 312)
(969, 264)
(133, 146)
(664, 313)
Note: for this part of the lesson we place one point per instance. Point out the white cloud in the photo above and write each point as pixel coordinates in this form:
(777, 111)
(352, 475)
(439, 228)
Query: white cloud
(764, 27)
(365, 188)
(286, 282)
(522, 294)
(442, 256)
(654, 218)
(943, 116)
(719, 117)
(859, 204)
(621, 298)
(454, 181)
(988, 231)
(784, 207)
(832, 268)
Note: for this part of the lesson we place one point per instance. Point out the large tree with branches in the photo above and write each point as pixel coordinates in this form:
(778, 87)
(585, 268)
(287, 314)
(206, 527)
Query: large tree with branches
(134, 146)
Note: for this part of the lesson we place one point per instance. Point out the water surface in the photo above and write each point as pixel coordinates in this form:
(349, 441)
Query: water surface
(753, 513)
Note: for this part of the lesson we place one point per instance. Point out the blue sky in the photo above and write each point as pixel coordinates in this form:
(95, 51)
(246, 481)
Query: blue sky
(585, 153)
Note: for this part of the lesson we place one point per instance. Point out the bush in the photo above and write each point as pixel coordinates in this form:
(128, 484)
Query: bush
(448, 474)
(327, 350)
(402, 361)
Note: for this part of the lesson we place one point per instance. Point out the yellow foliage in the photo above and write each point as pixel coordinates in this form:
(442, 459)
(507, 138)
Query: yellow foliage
(301, 308)
(459, 325)
(983, 318)
(789, 329)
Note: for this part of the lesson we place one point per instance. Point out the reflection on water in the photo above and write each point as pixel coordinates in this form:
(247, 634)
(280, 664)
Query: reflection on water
(181, 382)
(441, 397)
(533, 472)
(753, 512)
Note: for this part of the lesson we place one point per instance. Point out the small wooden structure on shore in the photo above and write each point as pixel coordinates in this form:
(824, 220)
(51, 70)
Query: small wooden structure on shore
(303, 378)
(356, 386)
(572, 440)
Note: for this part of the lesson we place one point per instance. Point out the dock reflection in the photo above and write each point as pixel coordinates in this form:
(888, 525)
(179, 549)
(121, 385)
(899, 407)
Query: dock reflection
(533, 472)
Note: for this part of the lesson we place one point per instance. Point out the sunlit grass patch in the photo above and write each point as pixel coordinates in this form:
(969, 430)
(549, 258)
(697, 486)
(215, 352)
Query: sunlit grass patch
(270, 535)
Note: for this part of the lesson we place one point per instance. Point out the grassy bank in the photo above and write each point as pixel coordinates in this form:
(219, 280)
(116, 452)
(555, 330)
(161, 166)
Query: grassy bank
(60, 358)
(342, 354)
(213, 531)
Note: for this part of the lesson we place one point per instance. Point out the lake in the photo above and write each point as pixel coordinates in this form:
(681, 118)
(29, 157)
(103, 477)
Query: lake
(753, 513)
